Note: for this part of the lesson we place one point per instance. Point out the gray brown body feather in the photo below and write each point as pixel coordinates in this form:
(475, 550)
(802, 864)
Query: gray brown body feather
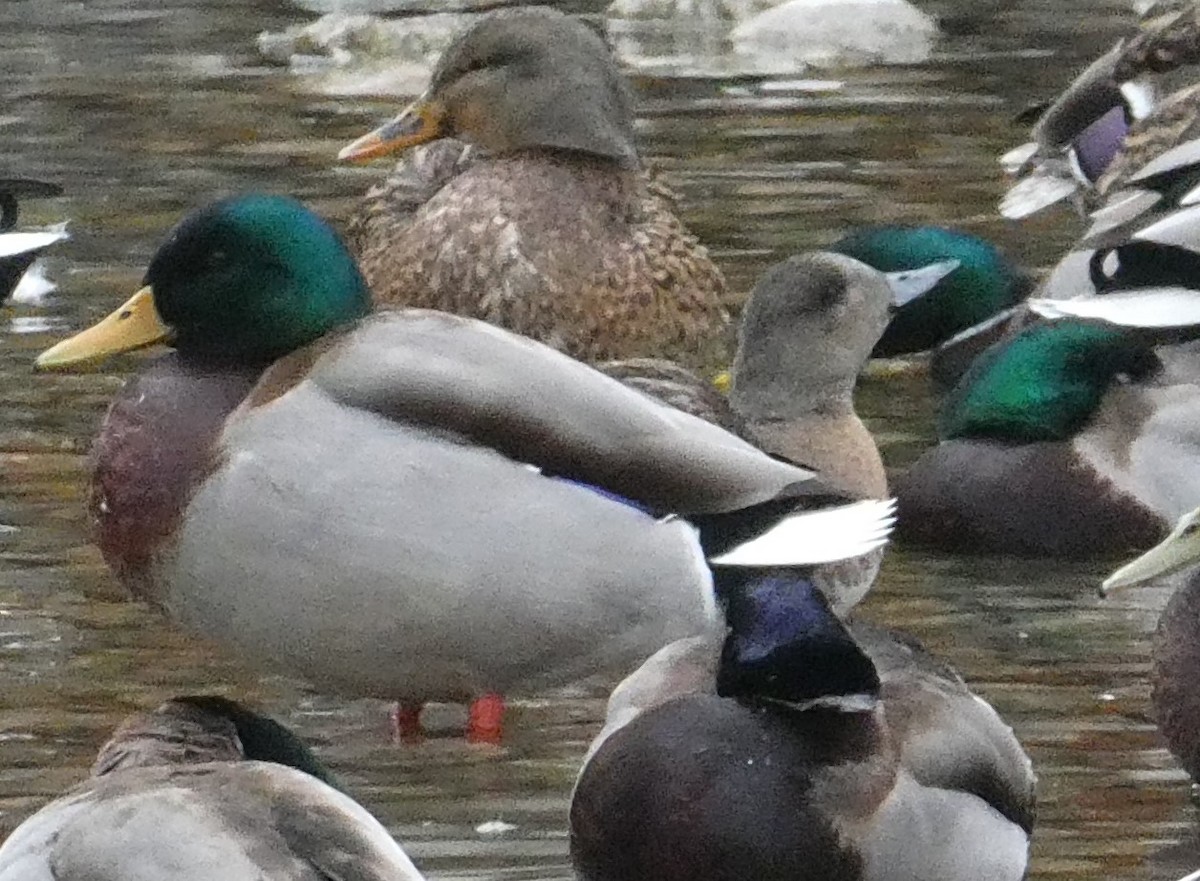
(246, 821)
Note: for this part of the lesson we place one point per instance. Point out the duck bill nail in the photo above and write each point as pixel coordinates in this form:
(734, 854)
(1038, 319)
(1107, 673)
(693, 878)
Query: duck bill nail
(419, 123)
(911, 284)
(135, 325)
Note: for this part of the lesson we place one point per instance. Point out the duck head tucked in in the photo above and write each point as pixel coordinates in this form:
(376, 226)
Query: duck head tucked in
(1070, 438)
(1044, 385)
(518, 80)
(242, 281)
(807, 330)
(785, 646)
(204, 728)
(799, 753)
(203, 787)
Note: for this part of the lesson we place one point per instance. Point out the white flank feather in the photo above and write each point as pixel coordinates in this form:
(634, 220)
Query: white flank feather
(1141, 308)
(1194, 876)
(1121, 208)
(13, 243)
(826, 535)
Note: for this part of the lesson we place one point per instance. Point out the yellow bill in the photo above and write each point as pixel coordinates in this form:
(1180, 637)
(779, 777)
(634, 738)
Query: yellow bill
(420, 122)
(135, 325)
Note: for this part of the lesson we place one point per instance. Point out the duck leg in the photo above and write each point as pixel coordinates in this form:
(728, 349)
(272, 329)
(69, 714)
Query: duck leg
(485, 719)
(405, 719)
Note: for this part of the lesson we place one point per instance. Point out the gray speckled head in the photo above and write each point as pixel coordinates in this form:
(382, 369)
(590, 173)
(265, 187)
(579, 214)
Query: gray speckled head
(534, 77)
(807, 330)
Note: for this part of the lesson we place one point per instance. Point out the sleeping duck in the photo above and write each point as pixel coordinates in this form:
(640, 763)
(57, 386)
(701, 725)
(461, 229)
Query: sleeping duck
(539, 217)
(198, 789)
(797, 747)
(411, 504)
(1076, 436)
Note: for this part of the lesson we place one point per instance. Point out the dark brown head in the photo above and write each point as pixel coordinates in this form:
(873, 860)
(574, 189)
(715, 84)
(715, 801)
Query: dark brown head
(519, 79)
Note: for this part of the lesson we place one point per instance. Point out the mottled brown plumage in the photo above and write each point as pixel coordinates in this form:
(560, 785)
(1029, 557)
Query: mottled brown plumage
(546, 224)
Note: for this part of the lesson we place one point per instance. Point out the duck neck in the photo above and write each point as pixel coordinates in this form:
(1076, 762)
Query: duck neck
(788, 379)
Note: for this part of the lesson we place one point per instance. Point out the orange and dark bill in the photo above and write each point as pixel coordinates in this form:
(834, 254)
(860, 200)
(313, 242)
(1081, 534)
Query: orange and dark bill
(420, 122)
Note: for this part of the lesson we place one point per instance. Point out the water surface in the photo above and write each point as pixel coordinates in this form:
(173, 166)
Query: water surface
(143, 109)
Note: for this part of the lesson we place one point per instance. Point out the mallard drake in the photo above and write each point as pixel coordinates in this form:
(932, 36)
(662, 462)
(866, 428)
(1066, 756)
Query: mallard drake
(1072, 438)
(412, 504)
(203, 788)
(1176, 654)
(546, 224)
(806, 333)
(20, 250)
(797, 747)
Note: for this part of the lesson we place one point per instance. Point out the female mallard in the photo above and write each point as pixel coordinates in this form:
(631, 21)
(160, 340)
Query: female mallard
(202, 788)
(412, 504)
(1072, 438)
(797, 748)
(1176, 657)
(554, 231)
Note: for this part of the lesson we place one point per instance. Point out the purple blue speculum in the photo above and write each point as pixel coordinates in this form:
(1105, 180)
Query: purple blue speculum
(1097, 144)
(629, 503)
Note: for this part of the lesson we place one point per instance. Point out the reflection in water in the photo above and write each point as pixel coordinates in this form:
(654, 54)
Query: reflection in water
(143, 109)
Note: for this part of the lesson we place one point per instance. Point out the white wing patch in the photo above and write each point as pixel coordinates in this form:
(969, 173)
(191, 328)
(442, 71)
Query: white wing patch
(827, 535)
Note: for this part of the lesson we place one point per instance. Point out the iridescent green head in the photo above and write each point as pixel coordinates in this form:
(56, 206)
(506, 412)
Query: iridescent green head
(984, 283)
(1043, 384)
(242, 281)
